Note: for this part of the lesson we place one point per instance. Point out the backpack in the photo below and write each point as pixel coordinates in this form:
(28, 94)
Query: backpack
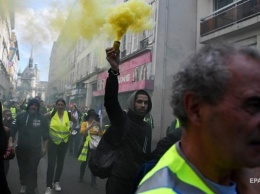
(103, 159)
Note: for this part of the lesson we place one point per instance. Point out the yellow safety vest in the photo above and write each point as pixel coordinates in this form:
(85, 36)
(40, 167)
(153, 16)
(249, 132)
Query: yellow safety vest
(173, 175)
(13, 111)
(177, 125)
(60, 128)
(84, 152)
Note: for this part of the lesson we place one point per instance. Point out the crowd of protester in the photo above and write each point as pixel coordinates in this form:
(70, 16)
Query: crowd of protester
(19, 123)
(212, 145)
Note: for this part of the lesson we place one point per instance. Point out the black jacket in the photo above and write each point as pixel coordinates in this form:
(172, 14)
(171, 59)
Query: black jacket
(32, 129)
(136, 144)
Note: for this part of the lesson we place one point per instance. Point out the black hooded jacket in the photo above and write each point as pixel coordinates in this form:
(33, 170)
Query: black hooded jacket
(136, 144)
(32, 128)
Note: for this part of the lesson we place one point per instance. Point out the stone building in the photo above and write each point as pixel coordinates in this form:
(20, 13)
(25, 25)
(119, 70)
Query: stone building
(29, 84)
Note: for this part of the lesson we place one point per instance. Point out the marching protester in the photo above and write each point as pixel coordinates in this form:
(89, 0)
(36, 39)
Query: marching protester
(74, 139)
(3, 146)
(14, 110)
(83, 150)
(92, 129)
(33, 129)
(216, 99)
(60, 131)
(130, 130)
(7, 121)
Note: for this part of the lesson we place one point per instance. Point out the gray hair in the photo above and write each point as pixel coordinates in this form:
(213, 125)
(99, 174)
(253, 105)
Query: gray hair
(205, 73)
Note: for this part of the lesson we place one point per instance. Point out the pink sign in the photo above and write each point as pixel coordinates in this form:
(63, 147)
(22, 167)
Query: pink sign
(134, 75)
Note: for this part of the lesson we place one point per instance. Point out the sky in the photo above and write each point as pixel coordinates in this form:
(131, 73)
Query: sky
(33, 29)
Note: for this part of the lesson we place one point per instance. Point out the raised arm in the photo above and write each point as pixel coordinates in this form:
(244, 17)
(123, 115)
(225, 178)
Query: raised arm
(112, 105)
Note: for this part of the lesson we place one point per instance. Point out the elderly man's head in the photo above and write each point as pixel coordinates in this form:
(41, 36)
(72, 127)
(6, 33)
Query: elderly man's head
(217, 96)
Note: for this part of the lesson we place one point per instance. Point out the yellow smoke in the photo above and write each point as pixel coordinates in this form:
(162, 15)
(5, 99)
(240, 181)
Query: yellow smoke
(134, 15)
(91, 18)
(86, 19)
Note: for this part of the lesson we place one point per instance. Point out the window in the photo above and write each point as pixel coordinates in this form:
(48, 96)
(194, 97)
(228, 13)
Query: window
(135, 41)
(123, 43)
(218, 4)
(94, 86)
(128, 42)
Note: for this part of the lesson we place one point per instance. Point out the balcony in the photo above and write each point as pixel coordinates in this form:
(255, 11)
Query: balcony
(234, 13)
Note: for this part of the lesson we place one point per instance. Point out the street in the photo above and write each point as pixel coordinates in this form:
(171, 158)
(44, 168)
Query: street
(69, 179)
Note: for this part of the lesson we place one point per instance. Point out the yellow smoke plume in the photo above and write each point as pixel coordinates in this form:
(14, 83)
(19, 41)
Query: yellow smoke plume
(91, 18)
(134, 15)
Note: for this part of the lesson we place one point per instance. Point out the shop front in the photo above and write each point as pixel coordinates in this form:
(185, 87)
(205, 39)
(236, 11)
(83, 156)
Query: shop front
(135, 74)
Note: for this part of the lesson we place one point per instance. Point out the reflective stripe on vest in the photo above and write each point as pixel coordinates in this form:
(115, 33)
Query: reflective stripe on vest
(172, 174)
(59, 139)
(177, 125)
(84, 152)
(60, 129)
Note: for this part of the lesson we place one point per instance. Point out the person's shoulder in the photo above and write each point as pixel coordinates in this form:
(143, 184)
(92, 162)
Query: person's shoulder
(20, 117)
(42, 116)
(21, 114)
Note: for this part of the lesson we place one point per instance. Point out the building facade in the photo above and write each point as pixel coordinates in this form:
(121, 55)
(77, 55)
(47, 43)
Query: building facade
(9, 53)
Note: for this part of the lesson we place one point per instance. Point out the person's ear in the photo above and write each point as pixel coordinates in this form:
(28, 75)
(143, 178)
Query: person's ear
(192, 105)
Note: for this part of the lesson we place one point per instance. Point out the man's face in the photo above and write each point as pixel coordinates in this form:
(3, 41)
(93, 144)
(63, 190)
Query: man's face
(33, 108)
(141, 104)
(8, 115)
(232, 127)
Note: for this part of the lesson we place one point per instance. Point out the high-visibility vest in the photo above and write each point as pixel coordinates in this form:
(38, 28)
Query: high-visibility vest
(60, 129)
(13, 111)
(84, 152)
(173, 175)
(177, 125)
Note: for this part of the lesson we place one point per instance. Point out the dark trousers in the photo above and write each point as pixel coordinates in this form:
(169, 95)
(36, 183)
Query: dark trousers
(6, 165)
(28, 162)
(83, 166)
(74, 143)
(3, 183)
(117, 185)
(56, 156)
